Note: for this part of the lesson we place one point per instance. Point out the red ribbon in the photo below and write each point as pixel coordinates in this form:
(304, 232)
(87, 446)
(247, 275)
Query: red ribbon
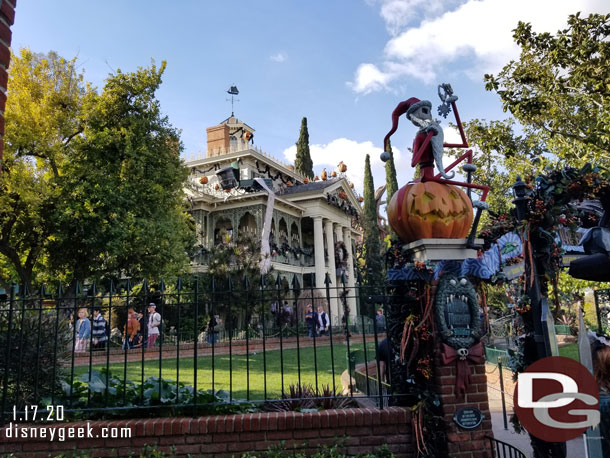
(475, 354)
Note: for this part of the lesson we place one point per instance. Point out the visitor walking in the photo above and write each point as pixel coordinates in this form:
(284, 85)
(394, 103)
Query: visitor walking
(311, 320)
(213, 326)
(99, 330)
(83, 330)
(154, 323)
(323, 321)
(131, 330)
(380, 319)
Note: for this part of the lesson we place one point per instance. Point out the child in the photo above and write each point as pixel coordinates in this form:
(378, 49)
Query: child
(83, 331)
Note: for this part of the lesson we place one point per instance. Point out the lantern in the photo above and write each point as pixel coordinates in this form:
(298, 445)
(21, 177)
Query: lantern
(342, 167)
(203, 180)
(430, 210)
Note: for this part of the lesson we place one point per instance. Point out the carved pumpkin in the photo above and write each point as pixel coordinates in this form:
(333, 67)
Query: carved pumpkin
(342, 167)
(343, 195)
(217, 187)
(288, 184)
(334, 174)
(360, 199)
(430, 210)
(351, 185)
(316, 178)
(203, 180)
(305, 180)
(324, 175)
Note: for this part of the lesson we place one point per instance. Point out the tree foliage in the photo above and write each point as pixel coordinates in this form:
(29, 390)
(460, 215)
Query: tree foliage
(561, 87)
(372, 243)
(303, 163)
(91, 183)
(120, 210)
(43, 118)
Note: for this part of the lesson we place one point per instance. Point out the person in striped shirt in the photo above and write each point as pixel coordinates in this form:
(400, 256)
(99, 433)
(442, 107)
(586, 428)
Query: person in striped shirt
(99, 330)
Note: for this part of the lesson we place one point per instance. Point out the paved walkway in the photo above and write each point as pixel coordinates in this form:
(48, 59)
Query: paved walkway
(575, 447)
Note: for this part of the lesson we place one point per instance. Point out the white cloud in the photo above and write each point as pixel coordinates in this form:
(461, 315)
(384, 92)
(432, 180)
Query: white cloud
(399, 13)
(478, 32)
(353, 154)
(280, 57)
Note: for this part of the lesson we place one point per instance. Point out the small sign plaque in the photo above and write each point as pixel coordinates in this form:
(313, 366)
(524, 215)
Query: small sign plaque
(468, 417)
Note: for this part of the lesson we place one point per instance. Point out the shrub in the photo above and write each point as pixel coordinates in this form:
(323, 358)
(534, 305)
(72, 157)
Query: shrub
(37, 352)
(154, 397)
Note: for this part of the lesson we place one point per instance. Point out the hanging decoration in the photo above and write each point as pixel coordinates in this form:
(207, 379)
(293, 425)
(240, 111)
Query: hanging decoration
(267, 171)
(203, 180)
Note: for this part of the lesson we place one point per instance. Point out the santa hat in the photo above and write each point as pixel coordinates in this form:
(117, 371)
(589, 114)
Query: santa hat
(408, 106)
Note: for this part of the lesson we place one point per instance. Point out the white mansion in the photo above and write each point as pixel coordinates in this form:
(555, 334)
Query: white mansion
(313, 225)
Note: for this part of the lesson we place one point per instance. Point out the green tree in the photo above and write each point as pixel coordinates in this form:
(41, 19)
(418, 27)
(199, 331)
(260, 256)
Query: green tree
(391, 182)
(500, 155)
(390, 174)
(303, 163)
(372, 244)
(121, 210)
(43, 119)
(560, 86)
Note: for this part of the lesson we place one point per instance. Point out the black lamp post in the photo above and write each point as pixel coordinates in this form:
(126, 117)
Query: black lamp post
(520, 201)
(542, 449)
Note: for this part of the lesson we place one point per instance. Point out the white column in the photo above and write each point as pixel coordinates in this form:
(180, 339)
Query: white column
(339, 232)
(318, 241)
(332, 271)
(351, 280)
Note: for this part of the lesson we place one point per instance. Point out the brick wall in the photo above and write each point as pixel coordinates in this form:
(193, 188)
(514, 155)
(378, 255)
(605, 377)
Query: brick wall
(232, 435)
(7, 18)
(463, 443)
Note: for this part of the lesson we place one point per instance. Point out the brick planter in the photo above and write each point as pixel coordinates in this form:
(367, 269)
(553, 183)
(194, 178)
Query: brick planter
(230, 435)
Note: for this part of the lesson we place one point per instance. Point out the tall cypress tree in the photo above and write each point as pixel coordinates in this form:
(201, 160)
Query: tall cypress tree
(303, 163)
(372, 243)
(390, 174)
(390, 179)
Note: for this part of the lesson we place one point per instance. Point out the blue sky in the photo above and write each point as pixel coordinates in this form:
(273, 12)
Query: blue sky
(344, 64)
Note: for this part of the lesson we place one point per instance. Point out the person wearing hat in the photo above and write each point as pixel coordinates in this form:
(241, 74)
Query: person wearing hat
(154, 322)
(99, 330)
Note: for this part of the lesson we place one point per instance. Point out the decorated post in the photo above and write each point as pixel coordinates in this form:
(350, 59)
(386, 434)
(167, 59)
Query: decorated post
(434, 316)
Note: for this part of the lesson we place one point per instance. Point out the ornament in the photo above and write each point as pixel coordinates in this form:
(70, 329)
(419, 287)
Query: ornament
(217, 187)
(324, 175)
(333, 174)
(430, 210)
(203, 180)
(342, 167)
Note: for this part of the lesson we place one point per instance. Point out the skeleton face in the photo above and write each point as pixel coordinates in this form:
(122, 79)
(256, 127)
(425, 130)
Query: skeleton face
(423, 113)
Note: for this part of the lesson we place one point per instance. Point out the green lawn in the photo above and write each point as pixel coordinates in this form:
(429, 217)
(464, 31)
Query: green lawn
(231, 373)
(570, 351)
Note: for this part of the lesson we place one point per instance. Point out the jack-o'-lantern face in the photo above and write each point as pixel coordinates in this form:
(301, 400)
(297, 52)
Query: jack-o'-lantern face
(430, 210)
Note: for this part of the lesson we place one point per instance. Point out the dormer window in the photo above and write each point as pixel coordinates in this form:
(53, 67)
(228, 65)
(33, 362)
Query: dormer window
(233, 142)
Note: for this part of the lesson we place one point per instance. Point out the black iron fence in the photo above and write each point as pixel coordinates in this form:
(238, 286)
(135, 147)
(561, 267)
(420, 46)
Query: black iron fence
(199, 343)
(504, 450)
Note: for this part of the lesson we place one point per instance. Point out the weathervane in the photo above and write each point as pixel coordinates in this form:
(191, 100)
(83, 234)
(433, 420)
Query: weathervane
(233, 91)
